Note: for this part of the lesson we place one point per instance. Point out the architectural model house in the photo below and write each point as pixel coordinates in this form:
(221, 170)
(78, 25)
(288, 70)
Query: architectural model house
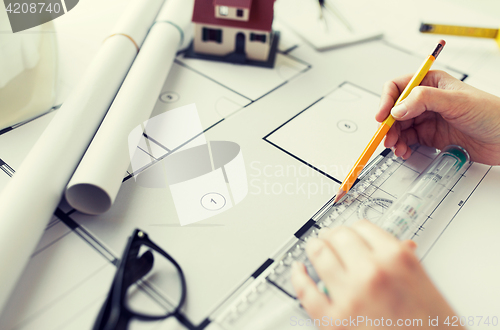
(237, 31)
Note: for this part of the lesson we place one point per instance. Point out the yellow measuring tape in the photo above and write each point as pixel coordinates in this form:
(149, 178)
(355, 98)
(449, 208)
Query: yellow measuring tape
(465, 31)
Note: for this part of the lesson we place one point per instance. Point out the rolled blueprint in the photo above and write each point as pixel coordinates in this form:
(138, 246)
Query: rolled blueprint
(29, 200)
(95, 184)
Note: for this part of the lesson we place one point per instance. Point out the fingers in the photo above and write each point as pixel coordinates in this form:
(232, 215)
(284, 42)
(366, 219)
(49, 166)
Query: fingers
(347, 244)
(378, 239)
(347, 259)
(340, 250)
(440, 79)
(390, 93)
(407, 154)
(326, 262)
(392, 136)
(418, 100)
(400, 138)
(312, 299)
(438, 92)
(335, 253)
(410, 244)
(422, 98)
(387, 249)
(401, 148)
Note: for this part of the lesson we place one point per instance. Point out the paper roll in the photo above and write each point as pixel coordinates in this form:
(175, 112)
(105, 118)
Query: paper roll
(95, 184)
(29, 200)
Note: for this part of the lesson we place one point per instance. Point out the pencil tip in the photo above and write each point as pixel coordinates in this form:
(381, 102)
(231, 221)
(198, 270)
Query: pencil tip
(341, 193)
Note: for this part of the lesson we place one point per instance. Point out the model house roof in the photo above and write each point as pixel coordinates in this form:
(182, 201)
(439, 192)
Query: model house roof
(261, 13)
(234, 3)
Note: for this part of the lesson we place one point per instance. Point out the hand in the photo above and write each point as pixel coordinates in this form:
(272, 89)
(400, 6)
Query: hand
(442, 111)
(368, 273)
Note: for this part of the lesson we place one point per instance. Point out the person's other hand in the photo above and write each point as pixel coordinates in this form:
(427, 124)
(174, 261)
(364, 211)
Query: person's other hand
(368, 273)
(442, 111)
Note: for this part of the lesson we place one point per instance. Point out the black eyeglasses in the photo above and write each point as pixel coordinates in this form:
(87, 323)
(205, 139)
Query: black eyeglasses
(116, 312)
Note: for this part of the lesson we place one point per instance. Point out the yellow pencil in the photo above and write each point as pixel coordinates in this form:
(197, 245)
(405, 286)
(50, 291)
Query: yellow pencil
(386, 124)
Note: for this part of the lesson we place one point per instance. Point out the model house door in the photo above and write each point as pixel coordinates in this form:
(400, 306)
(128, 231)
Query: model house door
(240, 43)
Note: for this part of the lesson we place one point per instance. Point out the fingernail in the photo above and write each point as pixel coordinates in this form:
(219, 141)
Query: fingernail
(399, 111)
(385, 142)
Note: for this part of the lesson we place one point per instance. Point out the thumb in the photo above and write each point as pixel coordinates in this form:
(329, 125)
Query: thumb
(423, 98)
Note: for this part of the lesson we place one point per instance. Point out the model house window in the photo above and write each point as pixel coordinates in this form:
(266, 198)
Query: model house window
(212, 35)
(223, 10)
(257, 37)
(239, 12)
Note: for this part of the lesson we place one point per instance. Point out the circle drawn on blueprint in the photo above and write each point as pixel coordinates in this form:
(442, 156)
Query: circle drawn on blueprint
(169, 97)
(372, 209)
(347, 126)
(213, 201)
